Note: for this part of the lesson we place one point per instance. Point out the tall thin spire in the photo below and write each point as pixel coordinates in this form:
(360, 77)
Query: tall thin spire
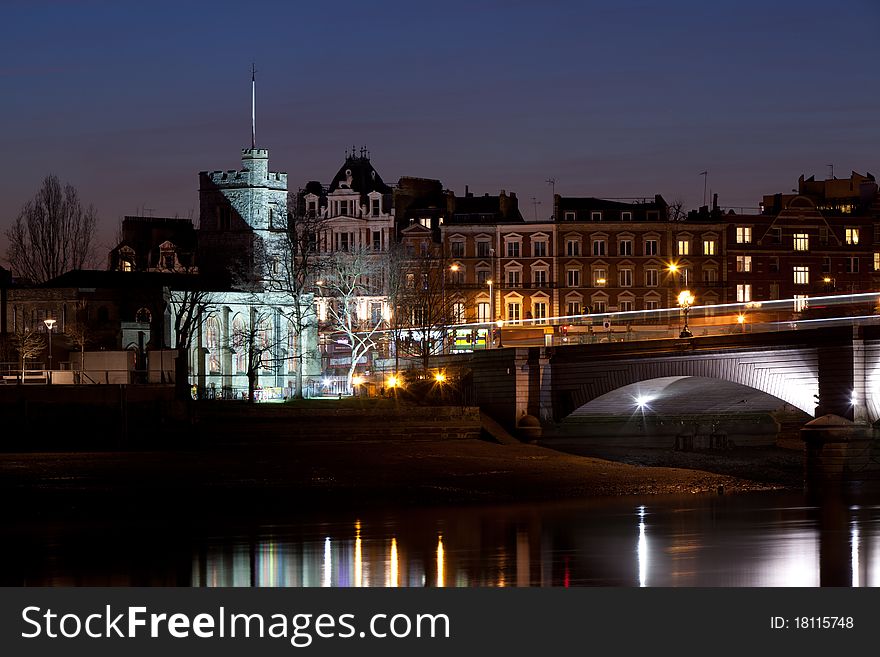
(253, 106)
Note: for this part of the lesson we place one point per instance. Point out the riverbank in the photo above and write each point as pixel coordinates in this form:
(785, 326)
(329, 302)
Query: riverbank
(354, 475)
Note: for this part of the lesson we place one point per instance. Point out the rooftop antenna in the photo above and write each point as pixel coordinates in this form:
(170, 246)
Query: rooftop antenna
(705, 175)
(552, 182)
(832, 171)
(536, 203)
(253, 106)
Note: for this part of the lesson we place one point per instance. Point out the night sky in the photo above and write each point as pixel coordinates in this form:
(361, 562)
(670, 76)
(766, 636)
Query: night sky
(129, 101)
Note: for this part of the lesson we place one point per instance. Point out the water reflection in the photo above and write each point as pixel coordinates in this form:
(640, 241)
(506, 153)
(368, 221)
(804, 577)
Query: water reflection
(723, 541)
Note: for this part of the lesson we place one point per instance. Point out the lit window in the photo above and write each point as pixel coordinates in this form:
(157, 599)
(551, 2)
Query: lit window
(539, 312)
(743, 292)
(599, 278)
(852, 236)
(743, 234)
(684, 247)
(800, 302)
(709, 247)
(801, 242)
(744, 264)
(483, 311)
(801, 275)
(877, 262)
(425, 222)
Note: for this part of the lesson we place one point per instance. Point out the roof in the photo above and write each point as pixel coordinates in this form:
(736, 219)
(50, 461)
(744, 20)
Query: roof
(358, 174)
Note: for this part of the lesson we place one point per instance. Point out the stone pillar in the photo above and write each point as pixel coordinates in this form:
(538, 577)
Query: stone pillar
(860, 387)
(836, 450)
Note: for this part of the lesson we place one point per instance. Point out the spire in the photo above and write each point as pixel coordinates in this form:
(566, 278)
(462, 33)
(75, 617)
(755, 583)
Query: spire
(253, 106)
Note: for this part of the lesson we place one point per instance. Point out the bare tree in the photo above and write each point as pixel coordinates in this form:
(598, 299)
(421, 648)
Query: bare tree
(29, 344)
(292, 268)
(52, 234)
(396, 262)
(425, 308)
(260, 346)
(78, 332)
(189, 310)
(352, 279)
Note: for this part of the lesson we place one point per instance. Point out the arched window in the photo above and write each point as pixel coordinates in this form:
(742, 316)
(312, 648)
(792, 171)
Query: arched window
(212, 340)
(291, 348)
(264, 344)
(239, 341)
(144, 316)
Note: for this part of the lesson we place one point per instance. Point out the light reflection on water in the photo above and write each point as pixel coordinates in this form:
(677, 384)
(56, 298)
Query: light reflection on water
(723, 541)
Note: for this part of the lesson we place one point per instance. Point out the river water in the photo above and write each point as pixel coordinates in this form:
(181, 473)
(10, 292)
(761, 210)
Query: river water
(743, 540)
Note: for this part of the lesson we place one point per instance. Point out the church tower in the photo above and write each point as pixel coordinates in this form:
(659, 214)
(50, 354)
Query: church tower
(239, 210)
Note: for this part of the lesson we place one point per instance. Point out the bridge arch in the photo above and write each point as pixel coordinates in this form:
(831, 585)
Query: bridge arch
(790, 375)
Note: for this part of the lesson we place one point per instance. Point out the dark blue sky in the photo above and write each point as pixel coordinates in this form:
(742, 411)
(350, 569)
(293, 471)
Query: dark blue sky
(129, 101)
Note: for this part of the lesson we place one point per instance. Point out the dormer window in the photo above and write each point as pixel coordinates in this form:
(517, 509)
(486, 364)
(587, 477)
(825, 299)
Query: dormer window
(374, 207)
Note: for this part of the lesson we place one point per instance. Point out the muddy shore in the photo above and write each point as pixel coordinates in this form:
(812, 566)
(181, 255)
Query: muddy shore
(364, 474)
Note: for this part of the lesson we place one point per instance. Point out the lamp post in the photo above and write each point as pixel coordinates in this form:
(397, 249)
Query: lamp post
(490, 331)
(741, 319)
(685, 301)
(50, 324)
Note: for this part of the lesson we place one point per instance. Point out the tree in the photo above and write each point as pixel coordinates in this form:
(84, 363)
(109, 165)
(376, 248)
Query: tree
(425, 307)
(352, 280)
(292, 267)
(53, 234)
(78, 332)
(29, 344)
(189, 310)
(257, 338)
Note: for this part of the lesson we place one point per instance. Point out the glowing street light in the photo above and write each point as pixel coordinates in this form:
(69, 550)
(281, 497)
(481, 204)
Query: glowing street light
(440, 377)
(392, 381)
(50, 324)
(741, 320)
(685, 301)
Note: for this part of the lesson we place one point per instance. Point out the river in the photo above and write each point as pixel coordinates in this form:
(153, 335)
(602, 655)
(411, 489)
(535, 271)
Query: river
(743, 540)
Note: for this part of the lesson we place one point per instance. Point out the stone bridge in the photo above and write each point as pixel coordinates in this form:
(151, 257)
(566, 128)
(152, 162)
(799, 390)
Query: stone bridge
(831, 370)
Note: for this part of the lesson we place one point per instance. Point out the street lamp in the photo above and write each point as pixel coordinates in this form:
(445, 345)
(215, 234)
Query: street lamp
(499, 324)
(50, 323)
(685, 301)
(741, 319)
(490, 330)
